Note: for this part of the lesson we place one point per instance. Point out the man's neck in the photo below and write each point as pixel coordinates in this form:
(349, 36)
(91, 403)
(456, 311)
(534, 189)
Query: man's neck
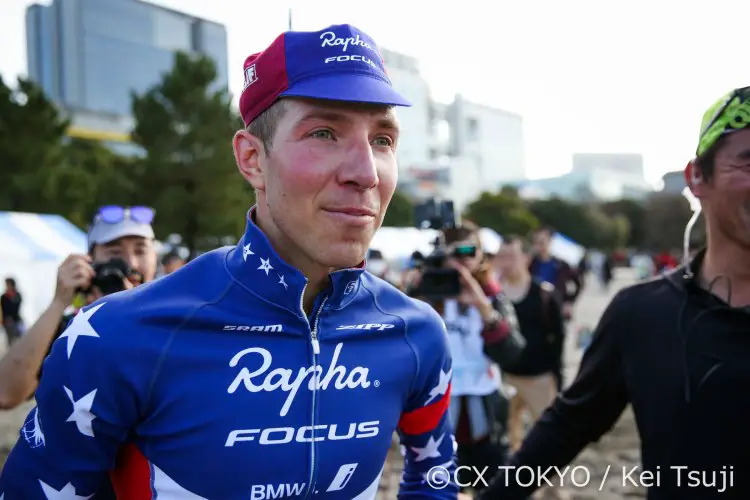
(317, 275)
(516, 279)
(726, 270)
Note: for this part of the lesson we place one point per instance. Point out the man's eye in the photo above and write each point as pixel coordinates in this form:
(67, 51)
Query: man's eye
(383, 141)
(322, 134)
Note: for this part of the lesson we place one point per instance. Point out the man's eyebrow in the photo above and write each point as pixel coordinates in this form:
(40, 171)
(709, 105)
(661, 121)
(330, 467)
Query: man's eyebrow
(324, 115)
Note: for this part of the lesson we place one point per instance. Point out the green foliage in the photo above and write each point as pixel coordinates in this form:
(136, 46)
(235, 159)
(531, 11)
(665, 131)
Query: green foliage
(504, 212)
(189, 174)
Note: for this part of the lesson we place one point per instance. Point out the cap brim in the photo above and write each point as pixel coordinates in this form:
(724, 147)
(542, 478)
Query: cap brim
(349, 88)
(103, 233)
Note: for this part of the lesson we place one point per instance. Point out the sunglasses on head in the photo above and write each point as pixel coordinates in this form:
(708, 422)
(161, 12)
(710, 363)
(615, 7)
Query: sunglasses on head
(113, 214)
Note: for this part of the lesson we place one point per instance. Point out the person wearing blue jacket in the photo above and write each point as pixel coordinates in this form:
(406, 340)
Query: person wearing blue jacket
(277, 368)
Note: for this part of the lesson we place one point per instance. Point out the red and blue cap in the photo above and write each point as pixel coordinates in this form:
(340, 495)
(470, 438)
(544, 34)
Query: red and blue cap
(338, 63)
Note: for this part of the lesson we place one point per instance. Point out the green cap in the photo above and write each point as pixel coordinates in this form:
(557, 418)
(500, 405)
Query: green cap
(729, 114)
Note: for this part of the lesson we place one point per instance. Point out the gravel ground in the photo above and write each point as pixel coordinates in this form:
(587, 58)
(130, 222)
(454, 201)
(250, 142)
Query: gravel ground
(618, 449)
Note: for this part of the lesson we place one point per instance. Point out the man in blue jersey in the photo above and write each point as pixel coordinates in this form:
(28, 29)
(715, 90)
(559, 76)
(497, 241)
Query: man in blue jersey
(277, 368)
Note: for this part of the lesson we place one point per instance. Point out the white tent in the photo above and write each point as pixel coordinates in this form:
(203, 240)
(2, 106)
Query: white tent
(32, 246)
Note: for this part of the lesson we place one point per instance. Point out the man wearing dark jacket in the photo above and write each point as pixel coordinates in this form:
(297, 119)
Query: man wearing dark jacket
(676, 348)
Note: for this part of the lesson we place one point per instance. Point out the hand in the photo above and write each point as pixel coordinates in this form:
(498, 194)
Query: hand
(471, 290)
(464, 496)
(567, 310)
(75, 272)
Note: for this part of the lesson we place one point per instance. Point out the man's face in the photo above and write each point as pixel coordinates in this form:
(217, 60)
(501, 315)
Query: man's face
(324, 188)
(510, 258)
(138, 252)
(726, 197)
(541, 242)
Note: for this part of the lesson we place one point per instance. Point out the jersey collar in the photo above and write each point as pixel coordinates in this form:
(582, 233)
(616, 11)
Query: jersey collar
(256, 265)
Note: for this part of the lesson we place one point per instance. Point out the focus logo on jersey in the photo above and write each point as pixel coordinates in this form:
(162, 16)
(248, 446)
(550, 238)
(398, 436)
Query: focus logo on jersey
(265, 379)
(305, 434)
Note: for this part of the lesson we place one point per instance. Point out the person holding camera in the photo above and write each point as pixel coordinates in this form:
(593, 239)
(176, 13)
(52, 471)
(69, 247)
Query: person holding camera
(121, 256)
(482, 332)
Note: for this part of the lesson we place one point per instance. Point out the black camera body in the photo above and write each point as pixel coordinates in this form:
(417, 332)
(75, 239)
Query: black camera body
(109, 277)
(437, 282)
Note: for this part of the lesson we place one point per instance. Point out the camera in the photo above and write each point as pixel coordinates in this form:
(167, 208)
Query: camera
(438, 282)
(110, 276)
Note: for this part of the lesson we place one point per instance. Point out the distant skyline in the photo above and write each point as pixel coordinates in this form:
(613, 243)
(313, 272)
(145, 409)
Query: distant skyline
(587, 76)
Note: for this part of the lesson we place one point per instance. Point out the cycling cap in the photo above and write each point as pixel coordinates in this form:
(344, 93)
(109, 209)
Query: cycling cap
(338, 63)
(729, 114)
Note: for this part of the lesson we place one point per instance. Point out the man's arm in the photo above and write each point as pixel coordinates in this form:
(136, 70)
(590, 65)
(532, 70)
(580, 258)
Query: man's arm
(580, 415)
(87, 403)
(19, 368)
(425, 430)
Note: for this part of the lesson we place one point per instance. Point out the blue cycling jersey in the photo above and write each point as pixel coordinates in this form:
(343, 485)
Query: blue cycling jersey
(212, 383)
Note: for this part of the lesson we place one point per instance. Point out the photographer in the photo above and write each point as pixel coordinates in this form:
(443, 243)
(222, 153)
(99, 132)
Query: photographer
(121, 256)
(482, 330)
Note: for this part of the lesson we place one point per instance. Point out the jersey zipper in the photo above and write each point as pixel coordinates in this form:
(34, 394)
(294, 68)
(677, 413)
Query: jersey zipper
(316, 351)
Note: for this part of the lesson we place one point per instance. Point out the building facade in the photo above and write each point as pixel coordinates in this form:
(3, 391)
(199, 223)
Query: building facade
(89, 55)
(593, 177)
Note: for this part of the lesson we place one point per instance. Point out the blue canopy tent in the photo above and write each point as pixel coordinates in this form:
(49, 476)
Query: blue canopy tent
(32, 246)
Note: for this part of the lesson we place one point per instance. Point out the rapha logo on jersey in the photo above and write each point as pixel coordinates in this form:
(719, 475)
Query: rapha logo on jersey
(251, 76)
(368, 326)
(283, 379)
(256, 328)
(305, 434)
(331, 40)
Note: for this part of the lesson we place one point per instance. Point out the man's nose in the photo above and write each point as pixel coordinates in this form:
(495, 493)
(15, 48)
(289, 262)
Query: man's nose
(131, 260)
(360, 167)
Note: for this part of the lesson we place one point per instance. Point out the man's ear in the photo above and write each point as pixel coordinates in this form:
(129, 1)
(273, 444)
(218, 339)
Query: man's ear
(694, 178)
(250, 157)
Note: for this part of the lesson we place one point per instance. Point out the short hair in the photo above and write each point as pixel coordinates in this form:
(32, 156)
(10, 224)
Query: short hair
(707, 161)
(170, 257)
(518, 240)
(11, 282)
(466, 230)
(264, 126)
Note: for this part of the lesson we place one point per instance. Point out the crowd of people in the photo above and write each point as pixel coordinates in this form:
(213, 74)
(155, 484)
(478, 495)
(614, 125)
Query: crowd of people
(281, 365)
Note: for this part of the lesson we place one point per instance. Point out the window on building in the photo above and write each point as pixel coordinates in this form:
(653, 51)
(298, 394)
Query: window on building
(472, 129)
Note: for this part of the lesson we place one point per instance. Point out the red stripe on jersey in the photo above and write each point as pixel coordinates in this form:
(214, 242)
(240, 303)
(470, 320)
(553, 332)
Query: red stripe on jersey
(131, 478)
(427, 418)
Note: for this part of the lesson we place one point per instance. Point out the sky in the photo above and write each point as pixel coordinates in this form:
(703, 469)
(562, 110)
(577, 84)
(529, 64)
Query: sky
(587, 76)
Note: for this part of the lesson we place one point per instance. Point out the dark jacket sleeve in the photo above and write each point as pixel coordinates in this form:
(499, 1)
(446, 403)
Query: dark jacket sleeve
(580, 415)
(503, 341)
(567, 276)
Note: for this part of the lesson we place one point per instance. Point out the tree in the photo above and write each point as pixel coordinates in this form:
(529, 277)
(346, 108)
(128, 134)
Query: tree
(32, 133)
(635, 213)
(582, 223)
(504, 212)
(400, 211)
(189, 174)
(668, 214)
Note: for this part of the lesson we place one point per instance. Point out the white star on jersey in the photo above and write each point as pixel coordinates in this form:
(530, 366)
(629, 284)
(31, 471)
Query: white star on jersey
(82, 415)
(282, 282)
(265, 265)
(67, 493)
(80, 327)
(246, 251)
(441, 387)
(430, 450)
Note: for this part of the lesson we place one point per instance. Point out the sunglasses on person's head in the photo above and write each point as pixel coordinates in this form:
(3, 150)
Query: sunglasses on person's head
(733, 114)
(113, 214)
